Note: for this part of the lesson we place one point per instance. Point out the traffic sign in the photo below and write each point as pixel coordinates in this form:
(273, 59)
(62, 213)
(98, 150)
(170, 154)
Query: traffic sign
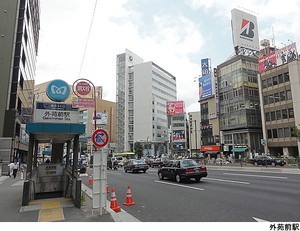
(83, 88)
(100, 138)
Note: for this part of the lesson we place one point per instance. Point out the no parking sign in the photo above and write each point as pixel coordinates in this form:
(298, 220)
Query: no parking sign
(100, 138)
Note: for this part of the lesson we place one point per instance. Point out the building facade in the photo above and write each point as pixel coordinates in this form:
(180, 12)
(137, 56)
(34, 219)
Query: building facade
(20, 25)
(240, 116)
(194, 133)
(143, 88)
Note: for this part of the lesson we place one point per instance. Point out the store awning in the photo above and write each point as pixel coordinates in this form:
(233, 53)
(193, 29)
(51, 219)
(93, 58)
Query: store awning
(238, 149)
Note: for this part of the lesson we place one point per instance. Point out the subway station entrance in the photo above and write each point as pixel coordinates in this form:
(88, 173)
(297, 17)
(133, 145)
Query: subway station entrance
(56, 178)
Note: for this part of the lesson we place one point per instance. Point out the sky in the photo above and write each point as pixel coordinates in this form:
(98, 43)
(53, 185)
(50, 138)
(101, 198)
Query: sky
(174, 34)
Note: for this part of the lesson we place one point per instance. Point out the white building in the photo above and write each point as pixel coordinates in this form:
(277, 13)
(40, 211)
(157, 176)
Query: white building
(143, 88)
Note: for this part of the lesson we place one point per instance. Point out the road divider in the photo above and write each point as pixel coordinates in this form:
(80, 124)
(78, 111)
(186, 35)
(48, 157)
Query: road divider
(178, 185)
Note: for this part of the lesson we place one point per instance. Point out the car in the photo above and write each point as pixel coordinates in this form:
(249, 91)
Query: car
(267, 160)
(182, 169)
(159, 162)
(148, 160)
(135, 166)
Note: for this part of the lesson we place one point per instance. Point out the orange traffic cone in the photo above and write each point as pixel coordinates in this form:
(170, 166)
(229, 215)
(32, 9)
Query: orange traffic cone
(129, 198)
(107, 190)
(90, 179)
(113, 201)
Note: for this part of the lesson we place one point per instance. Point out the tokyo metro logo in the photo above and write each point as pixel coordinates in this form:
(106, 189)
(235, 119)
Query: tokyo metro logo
(248, 27)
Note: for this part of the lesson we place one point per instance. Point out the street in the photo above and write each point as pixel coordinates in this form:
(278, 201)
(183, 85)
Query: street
(223, 196)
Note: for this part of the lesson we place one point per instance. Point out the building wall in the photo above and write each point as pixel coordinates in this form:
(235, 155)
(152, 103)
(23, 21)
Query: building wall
(194, 132)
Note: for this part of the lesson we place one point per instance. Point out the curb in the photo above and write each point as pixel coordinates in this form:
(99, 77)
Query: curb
(121, 216)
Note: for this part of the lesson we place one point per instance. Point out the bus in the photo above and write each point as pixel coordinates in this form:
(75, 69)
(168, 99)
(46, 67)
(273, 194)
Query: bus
(125, 155)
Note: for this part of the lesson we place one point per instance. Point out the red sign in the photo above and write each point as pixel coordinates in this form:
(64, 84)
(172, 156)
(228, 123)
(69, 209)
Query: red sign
(175, 107)
(100, 138)
(210, 148)
(83, 88)
(83, 103)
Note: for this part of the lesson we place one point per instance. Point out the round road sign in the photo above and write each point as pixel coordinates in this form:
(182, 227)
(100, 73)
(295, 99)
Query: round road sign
(83, 88)
(100, 138)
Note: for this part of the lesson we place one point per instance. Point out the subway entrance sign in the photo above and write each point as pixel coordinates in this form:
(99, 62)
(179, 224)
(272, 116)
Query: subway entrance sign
(100, 138)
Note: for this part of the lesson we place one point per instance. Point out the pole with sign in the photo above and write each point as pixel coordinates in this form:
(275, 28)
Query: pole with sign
(100, 140)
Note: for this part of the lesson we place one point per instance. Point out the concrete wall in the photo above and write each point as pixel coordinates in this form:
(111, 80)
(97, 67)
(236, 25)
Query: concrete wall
(5, 153)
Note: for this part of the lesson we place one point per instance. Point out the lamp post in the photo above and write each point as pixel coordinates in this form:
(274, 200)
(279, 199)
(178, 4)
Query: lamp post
(196, 138)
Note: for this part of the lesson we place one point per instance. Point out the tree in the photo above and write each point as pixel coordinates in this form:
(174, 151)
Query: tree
(296, 132)
(138, 149)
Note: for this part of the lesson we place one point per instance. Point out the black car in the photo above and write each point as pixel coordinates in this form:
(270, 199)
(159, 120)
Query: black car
(159, 162)
(135, 166)
(182, 169)
(267, 160)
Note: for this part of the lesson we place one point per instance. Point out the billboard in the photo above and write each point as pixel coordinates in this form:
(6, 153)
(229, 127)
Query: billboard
(178, 135)
(205, 67)
(101, 118)
(175, 107)
(244, 30)
(205, 87)
(277, 58)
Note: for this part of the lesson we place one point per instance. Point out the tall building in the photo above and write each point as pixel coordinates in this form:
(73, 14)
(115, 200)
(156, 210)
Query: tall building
(279, 86)
(20, 25)
(143, 88)
(240, 117)
(194, 132)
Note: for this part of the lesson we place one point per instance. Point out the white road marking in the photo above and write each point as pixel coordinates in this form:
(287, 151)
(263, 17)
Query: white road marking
(259, 220)
(277, 177)
(229, 181)
(179, 185)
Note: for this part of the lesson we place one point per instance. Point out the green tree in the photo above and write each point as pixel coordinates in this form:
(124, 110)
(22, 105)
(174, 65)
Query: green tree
(138, 149)
(296, 132)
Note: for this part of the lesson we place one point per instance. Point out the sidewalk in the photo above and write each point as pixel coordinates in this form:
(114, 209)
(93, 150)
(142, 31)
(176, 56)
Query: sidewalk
(11, 209)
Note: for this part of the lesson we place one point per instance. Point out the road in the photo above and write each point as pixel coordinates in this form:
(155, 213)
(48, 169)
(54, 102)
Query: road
(223, 196)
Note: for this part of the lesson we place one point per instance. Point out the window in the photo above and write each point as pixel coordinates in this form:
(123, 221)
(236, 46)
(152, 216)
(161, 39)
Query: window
(265, 100)
(280, 133)
(278, 115)
(269, 82)
(275, 81)
(288, 94)
(271, 99)
(269, 134)
(268, 116)
(264, 83)
(274, 133)
(282, 96)
(286, 77)
(273, 116)
(280, 79)
(287, 132)
(284, 114)
(291, 112)
(276, 97)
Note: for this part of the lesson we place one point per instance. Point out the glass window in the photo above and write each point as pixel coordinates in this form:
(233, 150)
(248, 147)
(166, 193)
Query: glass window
(271, 99)
(280, 133)
(265, 100)
(264, 83)
(287, 132)
(282, 96)
(269, 134)
(278, 115)
(291, 112)
(275, 81)
(284, 114)
(269, 82)
(268, 116)
(286, 77)
(273, 116)
(276, 97)
(280, 78)
(274, 133)
(288, 94)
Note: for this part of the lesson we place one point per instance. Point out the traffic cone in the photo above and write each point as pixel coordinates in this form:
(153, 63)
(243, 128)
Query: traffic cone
(232, 163)
(90, 179)
(129, 198)
(113, 201)
(107, 190)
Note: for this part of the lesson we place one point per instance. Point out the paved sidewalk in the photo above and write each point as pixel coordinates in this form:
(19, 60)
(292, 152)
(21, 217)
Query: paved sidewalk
(11, 209)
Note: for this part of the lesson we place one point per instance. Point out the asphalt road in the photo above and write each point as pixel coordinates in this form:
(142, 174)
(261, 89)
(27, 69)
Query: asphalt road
(223, 196)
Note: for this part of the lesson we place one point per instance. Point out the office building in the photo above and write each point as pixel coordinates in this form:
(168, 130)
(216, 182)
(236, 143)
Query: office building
(20, 25)
(143, 88)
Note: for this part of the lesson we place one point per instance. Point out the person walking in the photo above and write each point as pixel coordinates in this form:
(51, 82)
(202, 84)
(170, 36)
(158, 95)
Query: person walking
(23, 170)
(10, 171)
(15, 169)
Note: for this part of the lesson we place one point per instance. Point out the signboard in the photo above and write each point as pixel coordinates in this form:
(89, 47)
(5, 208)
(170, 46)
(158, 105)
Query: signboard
(244, 30)
(277, 58)
(100, 138)
(55, 113)
(205, 87)
(101, 118)
(178, 135)
(175, 107)
(58, 90)
(204, 67)
(83, 88)
(210, 148)
(79, 102)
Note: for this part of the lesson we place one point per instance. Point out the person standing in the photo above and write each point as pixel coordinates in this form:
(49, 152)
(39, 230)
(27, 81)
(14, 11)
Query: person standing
(15, 169)
(10, 171)
(23, 170)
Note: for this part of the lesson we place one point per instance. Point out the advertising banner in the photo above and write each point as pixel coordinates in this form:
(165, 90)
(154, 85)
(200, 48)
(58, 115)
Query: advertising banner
(277, 58)
(178, 135)
(175, 107)
(204, 67)
(205, 87)
(101, 118)
(244, 30)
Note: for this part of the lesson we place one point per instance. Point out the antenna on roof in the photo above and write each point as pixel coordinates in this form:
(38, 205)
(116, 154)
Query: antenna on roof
(273, 39)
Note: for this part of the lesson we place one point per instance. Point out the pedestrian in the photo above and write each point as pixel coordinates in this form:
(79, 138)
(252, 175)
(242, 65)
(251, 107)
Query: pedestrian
(15, 169)
(10, 170)
(23, 170)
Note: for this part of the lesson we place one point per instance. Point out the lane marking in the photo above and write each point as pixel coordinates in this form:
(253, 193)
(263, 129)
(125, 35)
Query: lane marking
(184, 186)
(276, 177)
(229, 181)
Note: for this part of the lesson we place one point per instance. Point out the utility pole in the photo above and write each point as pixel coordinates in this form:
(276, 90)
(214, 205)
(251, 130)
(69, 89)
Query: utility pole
(196, 138)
